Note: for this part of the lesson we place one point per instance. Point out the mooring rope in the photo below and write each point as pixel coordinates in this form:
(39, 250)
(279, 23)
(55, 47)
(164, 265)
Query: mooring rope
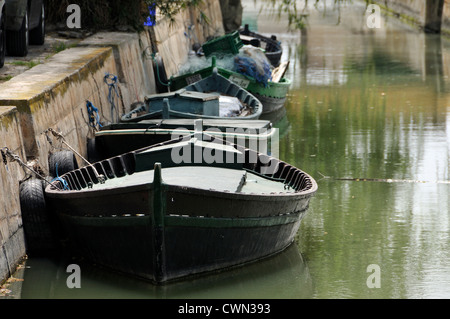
(6, 153)
(62, 180)
(111, 81)
(389, 180)
(61, 138)
(380, 180)
(94, 117)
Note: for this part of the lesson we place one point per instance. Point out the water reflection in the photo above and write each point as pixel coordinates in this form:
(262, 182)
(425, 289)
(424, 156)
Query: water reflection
(369, 118)
(284, 276)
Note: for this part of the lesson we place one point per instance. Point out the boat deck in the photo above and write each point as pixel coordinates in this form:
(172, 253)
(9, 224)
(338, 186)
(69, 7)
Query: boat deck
(201, 177)
(189, 124)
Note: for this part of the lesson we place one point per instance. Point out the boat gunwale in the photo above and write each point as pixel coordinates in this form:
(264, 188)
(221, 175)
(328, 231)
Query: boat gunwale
(255, 105)
(291, 172)
(53, 191)
(157, 131)
(262, 37)
(284, 82)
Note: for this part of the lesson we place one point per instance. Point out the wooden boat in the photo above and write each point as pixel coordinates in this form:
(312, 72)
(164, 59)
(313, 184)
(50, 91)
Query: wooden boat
(272, 96)
(146, 214)
(119, 138)
(271, 46)
(206, 99)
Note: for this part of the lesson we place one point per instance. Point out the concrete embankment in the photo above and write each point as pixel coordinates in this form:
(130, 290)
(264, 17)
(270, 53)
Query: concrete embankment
(431, 15)
(54, 94)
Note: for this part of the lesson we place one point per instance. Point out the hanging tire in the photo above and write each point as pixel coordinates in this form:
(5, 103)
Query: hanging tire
(159, 71)
(40, 239)
(37, 35)
(93, 154)
(17, 41)
(61, 162)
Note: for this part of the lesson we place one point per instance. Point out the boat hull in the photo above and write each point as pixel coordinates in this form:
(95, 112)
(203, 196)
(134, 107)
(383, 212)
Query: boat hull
(162, 224)
(120, 232)
(200, 100)
(191, 247)
(271, 104)
(116, 139)
(272, 47)
(272, 96)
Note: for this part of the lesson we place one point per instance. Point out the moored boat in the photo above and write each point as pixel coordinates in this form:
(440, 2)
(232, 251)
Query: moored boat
(175, 209)
(271, 46)
(214, 97)
(272, 96)
(118, 138)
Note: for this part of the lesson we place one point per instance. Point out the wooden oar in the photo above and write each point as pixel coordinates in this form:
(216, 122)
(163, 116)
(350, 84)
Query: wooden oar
(278, 72)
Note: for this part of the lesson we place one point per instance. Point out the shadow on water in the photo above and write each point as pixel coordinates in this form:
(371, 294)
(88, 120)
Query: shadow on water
(279, 120)
(283, 276)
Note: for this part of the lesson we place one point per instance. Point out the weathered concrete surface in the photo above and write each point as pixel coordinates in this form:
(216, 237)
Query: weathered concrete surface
(175, 39)
(12, 247)
(133, 60)
(37, 54)
(429, 15)
(446, 19)
(54, 94)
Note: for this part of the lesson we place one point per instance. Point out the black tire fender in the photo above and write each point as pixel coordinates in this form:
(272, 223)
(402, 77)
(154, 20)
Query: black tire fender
(40, 239)
(93, 152)
(159, 71)
(61, 162)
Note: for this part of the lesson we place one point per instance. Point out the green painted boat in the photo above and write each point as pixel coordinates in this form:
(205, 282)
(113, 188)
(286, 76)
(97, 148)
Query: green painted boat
(272, 96)
(272, 47)
(214, 97)
(174, 210)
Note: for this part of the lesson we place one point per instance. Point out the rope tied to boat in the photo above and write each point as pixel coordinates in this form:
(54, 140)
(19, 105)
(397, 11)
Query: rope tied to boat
(7, 154)
(61, 138)
(61, 180)
(94, 117)
(111, 81)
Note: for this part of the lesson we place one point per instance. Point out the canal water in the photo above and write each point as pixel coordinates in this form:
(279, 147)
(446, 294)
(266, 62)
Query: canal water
(368, 116)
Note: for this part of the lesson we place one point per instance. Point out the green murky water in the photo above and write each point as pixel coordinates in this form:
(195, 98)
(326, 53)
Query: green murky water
(368, 116)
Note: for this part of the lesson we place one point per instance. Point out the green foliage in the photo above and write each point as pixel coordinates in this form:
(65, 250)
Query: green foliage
(59, 46)
(29, 64)
(109, 14)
